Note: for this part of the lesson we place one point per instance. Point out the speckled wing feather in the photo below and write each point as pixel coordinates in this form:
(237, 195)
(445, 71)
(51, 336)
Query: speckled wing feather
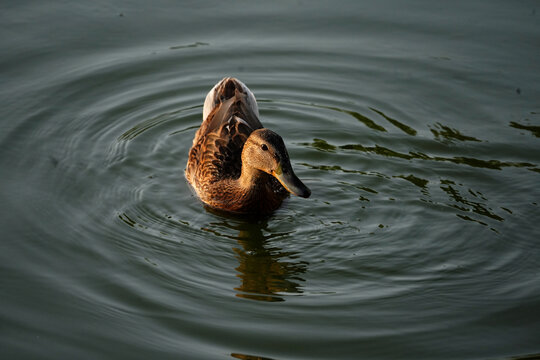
(217, 147)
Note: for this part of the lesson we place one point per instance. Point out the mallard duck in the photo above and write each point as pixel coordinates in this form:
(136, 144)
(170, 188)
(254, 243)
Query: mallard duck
(235, 164)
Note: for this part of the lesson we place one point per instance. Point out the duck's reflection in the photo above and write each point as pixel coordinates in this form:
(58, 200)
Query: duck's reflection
(265, 270)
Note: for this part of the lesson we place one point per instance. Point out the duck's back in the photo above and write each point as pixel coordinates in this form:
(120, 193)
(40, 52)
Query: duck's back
(230, 115)
(226, 89)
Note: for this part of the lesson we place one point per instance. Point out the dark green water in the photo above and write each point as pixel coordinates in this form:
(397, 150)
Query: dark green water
(416, 126)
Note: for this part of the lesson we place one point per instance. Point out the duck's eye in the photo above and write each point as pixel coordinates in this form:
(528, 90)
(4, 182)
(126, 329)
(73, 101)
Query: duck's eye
(264, 147)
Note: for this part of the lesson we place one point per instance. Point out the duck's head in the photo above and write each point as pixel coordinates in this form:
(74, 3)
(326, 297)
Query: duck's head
(265, 150)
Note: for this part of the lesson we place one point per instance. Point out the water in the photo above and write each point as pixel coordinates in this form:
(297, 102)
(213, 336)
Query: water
(416, 128)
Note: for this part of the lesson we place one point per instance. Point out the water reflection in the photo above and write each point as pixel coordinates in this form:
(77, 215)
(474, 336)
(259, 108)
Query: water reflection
(360, 117)
(248, 357)
(460, 202)
(447, 134)
(266, 271)
(406, 129)
(323, 145)
(535, 130)
(466, 201)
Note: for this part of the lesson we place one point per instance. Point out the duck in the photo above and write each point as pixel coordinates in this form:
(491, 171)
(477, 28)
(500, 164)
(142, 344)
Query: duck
(235, 164)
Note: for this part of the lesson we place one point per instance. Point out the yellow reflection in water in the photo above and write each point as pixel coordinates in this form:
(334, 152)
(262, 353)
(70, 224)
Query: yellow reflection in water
(266, 271)
(443, 132)
(323, 145)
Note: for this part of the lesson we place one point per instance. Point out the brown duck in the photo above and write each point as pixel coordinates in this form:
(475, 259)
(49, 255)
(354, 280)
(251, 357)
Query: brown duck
(235, 164)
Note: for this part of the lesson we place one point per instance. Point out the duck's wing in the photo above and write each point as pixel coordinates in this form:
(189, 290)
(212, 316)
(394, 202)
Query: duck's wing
(217, 148)
(218, 155)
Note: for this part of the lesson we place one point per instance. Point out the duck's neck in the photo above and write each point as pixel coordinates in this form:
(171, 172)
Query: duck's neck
(260, 197)
(250, 193)
(252, 179)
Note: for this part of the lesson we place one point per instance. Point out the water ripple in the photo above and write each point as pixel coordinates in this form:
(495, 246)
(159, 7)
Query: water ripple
(416, 218)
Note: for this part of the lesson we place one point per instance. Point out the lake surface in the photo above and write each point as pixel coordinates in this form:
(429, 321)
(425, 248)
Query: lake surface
(416, 125)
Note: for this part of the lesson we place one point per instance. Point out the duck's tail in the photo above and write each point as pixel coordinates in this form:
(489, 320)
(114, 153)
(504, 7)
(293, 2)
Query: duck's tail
(226, 89)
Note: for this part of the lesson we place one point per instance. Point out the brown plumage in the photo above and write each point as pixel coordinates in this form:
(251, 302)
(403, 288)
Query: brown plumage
(235, 164)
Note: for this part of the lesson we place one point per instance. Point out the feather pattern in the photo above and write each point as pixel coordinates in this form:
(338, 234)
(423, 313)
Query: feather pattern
(216, 168)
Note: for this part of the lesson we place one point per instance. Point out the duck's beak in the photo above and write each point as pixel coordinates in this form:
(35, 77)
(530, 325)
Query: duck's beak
(290, 181)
